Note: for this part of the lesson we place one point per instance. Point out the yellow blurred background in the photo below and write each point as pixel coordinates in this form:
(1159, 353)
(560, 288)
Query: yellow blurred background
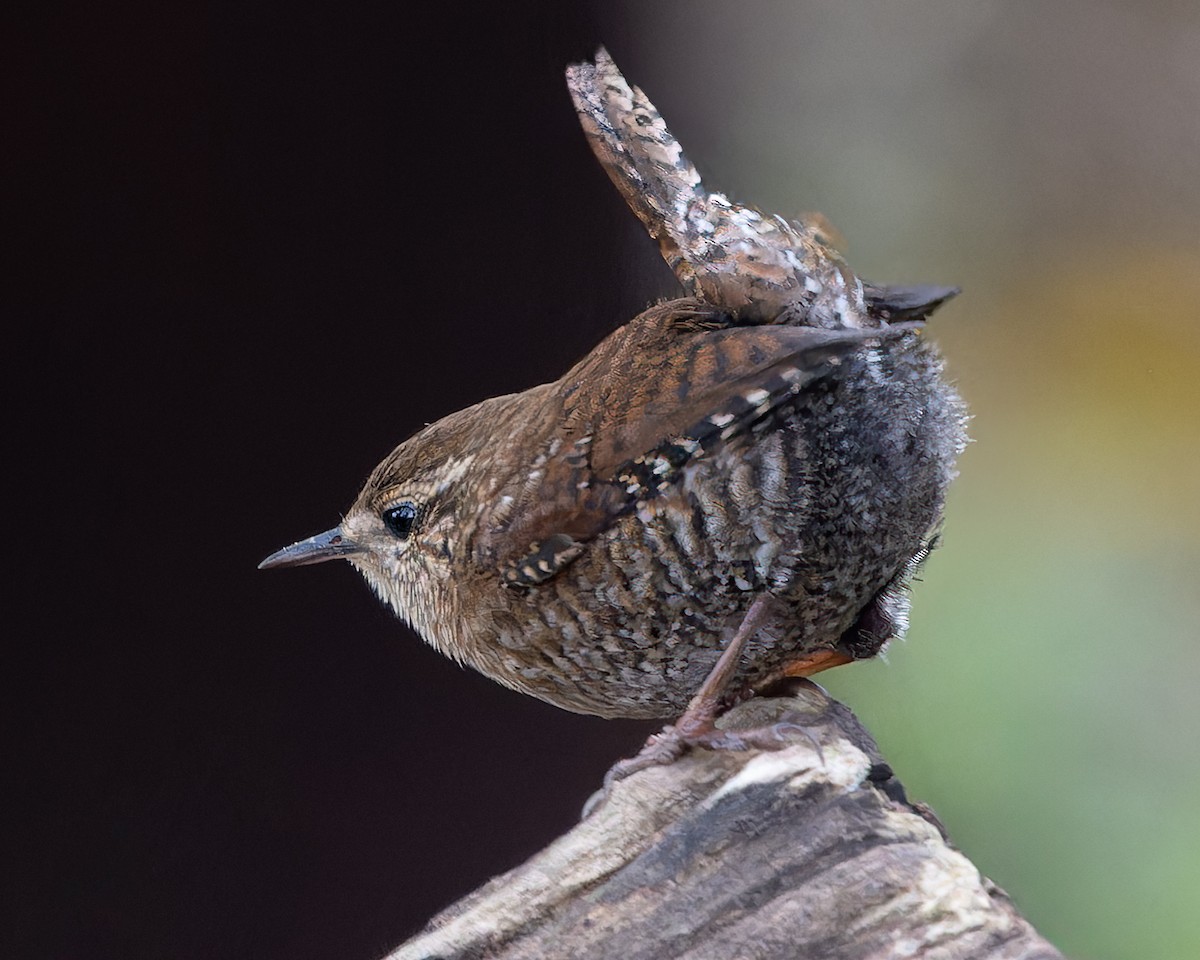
(1046, 157)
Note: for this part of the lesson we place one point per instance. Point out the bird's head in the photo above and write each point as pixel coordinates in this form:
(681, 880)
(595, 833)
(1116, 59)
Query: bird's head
(404, 530)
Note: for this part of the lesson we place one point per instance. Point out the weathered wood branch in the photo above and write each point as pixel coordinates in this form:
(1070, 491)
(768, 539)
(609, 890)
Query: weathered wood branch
(811, 851)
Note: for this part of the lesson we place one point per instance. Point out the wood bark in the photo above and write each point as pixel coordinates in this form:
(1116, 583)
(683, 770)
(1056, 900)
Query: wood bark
(809, 851)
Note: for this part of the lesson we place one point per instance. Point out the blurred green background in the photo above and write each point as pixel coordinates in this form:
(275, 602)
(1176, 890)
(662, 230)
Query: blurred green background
(1046, 157)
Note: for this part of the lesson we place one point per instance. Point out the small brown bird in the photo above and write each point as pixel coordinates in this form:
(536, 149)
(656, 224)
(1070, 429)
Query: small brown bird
(758, 468)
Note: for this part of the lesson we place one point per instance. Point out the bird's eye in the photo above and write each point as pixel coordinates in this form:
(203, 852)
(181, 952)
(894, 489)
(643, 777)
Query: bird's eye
(401, 519)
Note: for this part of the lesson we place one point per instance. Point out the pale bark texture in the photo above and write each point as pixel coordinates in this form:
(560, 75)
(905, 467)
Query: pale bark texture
(809, 851)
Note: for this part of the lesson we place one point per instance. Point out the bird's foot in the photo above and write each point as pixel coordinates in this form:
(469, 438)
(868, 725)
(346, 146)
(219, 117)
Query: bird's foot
(758, 724)
(701, 732)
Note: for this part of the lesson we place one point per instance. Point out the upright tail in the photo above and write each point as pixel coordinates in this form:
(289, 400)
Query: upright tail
(759, 268)
(642, 158)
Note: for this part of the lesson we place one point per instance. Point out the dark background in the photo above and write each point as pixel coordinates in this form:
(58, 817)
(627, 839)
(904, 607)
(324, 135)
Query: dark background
(254, 245)
(271, 241)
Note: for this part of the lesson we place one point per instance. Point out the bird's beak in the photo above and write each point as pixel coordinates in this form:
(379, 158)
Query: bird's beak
(324, 546)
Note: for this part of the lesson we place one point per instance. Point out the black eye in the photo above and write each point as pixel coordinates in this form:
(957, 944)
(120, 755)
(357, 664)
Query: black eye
(400, 519)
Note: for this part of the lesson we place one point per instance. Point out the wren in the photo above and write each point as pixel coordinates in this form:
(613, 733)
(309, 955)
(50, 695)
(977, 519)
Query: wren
(755, 469)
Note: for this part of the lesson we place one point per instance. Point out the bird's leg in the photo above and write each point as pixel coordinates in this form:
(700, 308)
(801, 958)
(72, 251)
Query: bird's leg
(699, 719)
(697, 726)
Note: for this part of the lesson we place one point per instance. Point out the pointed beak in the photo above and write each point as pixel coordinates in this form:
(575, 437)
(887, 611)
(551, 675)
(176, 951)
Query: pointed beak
(324, 546)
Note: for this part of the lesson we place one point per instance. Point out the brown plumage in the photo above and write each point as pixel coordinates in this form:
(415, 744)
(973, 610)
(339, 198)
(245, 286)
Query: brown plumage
(782, 433)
